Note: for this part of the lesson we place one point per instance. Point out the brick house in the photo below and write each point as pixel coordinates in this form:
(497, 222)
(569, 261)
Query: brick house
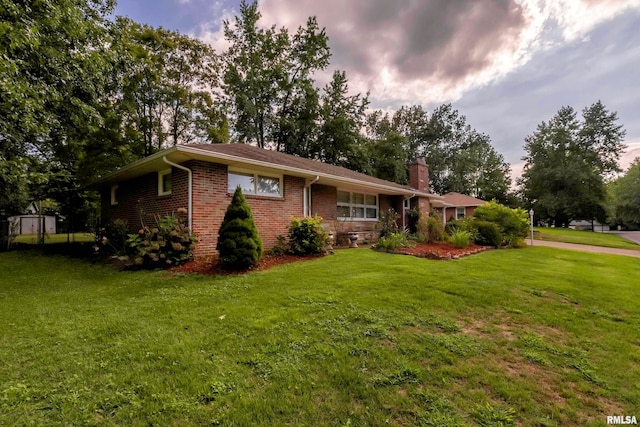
(203, 177)
(458, 206)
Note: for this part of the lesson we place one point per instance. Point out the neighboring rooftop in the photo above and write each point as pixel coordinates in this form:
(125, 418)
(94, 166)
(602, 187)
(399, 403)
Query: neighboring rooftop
(457, 199)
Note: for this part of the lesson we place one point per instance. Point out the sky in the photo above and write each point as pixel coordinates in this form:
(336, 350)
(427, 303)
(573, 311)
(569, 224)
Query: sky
(507, 65)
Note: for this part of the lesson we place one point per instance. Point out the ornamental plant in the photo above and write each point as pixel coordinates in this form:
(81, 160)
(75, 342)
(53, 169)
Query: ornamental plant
(513, 223)
(307, 236)
(239, 245)
(167, 243)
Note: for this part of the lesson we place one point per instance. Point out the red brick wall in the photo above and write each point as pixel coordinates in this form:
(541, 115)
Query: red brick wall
(324, 200)
(210, 201)
(138, 200)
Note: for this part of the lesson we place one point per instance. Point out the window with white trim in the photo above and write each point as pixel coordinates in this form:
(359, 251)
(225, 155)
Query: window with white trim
(164, 182)
(257, 184)
(114, 195)
(357, 206)
(460, 212)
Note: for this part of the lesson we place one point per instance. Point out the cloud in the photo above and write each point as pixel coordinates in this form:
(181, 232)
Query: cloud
(434, 51)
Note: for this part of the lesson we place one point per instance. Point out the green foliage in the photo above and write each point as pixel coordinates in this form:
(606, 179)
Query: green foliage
(392, 241)
(239, 245)
(567, 163)
(280, 248)
(167, 243)
(465, 224)
(460, 238)
(488, 233)
(459, 158)
(117, 234)
(513, 223)
(489, 416)
(307, 236)
(268, 80)
(413, 216)
(388, 222)
(430, 228)
(624, 194)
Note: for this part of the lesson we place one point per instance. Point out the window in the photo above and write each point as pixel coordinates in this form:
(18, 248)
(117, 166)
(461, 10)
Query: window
(256, 184)
(114, 195)
(357, 206)
(164, 182)
(460, 213)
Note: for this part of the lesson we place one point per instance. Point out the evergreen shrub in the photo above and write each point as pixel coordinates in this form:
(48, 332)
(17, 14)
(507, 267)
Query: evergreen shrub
(239, 245)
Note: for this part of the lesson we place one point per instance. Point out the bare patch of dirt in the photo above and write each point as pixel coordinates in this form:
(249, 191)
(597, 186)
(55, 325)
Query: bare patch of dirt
(441, 250)
(211, 265)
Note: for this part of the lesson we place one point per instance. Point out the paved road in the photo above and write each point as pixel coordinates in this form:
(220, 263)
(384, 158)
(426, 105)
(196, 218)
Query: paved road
(586, 248)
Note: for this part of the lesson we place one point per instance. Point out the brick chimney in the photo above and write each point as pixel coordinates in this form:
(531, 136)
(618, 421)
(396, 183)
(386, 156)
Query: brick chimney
(419, 175)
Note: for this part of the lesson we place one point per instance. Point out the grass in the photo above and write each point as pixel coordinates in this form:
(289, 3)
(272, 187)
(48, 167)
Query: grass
(32, 239)
(584, 237)
(536, 336)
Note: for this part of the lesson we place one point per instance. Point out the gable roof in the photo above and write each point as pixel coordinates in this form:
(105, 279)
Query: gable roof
(459, 200)
(248, 156)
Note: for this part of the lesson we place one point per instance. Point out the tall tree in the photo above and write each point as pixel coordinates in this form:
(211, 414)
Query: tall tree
(53, 64)
(268, 79)
(624, 205)
(460, 158)
(567, 162)
(166, 89)
(342, 116)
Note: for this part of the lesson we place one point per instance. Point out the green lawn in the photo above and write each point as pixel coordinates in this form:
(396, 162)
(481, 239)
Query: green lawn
(535, 336)
(583, 237)
(56, 238)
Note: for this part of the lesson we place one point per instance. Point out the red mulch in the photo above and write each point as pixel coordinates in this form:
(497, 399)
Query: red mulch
(441, 250)
(210, 265)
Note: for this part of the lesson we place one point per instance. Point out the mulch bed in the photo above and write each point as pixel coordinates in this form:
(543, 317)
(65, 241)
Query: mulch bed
(210, 265)
(441, 250)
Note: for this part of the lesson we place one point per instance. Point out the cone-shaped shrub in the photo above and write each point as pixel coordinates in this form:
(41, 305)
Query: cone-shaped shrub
(238, 242)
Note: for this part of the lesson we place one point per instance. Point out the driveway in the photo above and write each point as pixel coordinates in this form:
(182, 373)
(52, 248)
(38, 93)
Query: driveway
(587, 248)
(634, 236)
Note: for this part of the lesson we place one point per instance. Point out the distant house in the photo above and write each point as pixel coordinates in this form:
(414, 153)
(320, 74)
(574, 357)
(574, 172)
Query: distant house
(458, 206)
(202, 179)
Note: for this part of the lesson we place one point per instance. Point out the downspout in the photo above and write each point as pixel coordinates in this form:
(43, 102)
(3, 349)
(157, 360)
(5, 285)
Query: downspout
(190, 202)
(313, 181)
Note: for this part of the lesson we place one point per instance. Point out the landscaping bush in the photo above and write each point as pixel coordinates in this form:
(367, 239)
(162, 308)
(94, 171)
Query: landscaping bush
(307, 236)
(513, 223)
(488, 234)
(464, 224)
(169, 242)
(116, 235)
(430, 228)
(413, 217)
(388, 222)
(239, 245)
(391, 242)
(460, 239)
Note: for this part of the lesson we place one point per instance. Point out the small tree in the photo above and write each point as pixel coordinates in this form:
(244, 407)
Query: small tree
(238, 241)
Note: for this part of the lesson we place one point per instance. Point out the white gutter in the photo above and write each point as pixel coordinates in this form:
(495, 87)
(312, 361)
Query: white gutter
(190, 202)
